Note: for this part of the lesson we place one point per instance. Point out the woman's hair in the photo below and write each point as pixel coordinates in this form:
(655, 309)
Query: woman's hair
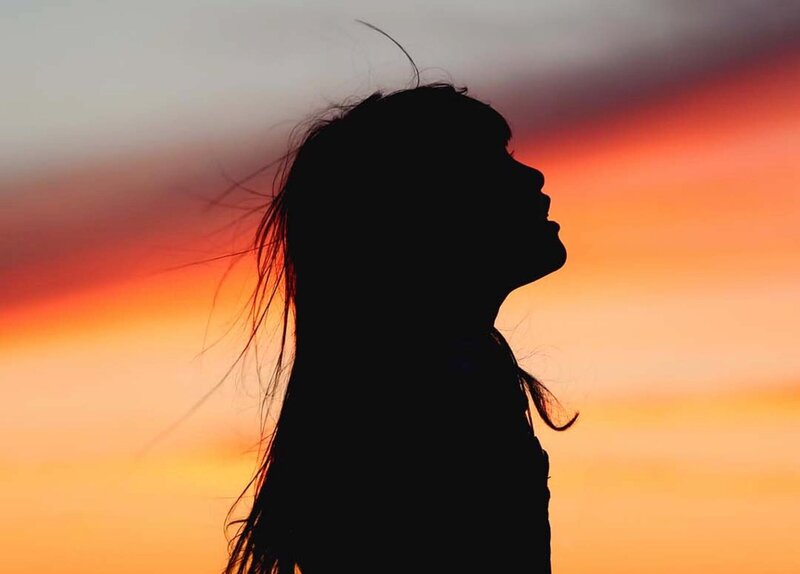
(375, 176)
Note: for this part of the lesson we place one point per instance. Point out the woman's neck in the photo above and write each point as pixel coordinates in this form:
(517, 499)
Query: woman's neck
(457, 318)
(382, 324)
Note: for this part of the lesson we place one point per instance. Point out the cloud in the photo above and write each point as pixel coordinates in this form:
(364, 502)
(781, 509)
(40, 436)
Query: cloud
(117, 129)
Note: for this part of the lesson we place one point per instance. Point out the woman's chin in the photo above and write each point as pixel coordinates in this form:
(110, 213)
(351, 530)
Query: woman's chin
(559, 256)
(554, 261)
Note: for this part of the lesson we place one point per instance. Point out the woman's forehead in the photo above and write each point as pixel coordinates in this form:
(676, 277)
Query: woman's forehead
(492, 123)
(491, 133)
(504, 130)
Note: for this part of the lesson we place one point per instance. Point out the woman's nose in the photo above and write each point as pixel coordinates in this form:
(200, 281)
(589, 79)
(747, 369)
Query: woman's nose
(533, 176)
(538, 178)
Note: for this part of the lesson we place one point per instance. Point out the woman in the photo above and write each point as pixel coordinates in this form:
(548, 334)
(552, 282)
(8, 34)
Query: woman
(405, 441)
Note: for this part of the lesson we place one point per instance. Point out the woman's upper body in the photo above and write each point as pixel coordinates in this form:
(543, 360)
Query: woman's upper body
(447, 479)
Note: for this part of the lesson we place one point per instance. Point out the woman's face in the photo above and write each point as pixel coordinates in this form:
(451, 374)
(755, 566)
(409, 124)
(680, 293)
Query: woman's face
(529, 246)
(506, 239)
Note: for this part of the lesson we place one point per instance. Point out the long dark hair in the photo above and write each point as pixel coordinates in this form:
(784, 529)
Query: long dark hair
(306, 247)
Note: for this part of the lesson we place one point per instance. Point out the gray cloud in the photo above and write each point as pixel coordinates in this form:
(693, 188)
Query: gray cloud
(87, 81)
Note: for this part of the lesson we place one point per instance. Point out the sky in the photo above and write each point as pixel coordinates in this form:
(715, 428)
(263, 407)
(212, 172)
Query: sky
(668, 135)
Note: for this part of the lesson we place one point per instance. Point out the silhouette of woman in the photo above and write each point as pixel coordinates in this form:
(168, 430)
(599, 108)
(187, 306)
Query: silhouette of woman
(405, 440)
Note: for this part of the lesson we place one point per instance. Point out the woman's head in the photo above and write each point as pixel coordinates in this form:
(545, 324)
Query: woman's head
(413, 192)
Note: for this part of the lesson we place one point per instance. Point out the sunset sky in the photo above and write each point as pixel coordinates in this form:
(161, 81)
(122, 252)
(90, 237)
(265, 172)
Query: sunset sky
(668, 133)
